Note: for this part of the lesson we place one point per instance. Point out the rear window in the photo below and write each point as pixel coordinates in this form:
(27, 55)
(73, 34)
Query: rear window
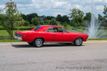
(37, 27)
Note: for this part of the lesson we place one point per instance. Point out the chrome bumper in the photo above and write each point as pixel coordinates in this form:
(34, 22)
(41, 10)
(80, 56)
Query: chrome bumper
(18, 38)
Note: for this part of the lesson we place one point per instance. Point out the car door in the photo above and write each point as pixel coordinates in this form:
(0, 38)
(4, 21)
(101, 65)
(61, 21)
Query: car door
(55, 34)
(58, 36)
(67, 36)
(50, 35)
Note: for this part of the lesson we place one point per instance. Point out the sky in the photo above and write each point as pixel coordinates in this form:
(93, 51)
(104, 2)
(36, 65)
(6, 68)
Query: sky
(55, 7)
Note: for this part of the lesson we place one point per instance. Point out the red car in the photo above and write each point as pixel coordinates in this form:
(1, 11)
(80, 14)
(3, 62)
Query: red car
(50, 33)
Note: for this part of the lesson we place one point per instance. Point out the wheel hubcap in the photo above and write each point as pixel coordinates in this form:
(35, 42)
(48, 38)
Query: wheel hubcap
(78, 41)
(38, 42)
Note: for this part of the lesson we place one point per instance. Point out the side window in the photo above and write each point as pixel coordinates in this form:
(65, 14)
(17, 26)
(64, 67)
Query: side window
(50, 30)
(60, 30)
(56, 29)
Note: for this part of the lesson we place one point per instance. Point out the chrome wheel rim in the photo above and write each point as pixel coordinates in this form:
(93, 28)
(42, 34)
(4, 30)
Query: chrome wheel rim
(38, 42)
(78, 41)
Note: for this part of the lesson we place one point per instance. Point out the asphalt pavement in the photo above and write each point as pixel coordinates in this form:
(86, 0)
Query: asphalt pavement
(19, 56)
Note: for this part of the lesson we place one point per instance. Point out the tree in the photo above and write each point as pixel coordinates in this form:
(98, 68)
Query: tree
(50, 17)
(63, 19)
(59, 18)
(87, 18)
(77, 17)
(24, 16)
(10, 17)
(30, 16)
(103, 19)
(35, 21)
(53, 22)
(105, 11)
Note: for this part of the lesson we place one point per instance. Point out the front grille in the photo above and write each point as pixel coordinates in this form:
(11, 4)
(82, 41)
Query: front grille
(18, 35)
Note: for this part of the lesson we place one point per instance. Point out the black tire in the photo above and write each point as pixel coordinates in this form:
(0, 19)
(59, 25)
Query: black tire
(31, 44)
(78, 42)
(38, 42)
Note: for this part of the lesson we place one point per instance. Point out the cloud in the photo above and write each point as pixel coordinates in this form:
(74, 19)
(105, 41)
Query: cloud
(77, 6)
(100, 8)
(54, 7)
(1, 6)
(101, 1)
(49, 3)
(23, 1)
(98, 0)
(2, 1)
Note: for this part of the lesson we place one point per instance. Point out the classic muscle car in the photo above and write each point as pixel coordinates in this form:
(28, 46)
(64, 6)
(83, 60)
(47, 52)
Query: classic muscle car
(50, 33)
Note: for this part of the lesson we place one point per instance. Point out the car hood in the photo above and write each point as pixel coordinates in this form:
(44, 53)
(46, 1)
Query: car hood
(77, 33)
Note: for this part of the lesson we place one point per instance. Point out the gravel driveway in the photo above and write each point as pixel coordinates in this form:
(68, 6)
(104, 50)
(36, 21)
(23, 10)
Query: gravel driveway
(92, 56)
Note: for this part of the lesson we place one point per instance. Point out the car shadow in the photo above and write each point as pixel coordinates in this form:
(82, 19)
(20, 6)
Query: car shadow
(45, 45)
(21, 46)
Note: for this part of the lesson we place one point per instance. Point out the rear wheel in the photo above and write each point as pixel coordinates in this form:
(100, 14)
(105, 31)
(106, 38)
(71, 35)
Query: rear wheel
(78, 42)
(38, 42)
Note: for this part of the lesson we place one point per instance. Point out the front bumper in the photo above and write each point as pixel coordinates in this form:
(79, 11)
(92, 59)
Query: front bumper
(18, 37)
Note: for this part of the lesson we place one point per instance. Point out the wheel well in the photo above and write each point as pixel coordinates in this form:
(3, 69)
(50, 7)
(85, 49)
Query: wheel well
(40, 38)
(79, 37)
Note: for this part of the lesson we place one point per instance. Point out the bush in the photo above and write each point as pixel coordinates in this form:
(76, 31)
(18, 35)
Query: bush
(19, 28)
(23, 28)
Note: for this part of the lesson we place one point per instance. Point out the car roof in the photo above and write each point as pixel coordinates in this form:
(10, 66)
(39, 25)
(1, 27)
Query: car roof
(50, 26)
(46, 27)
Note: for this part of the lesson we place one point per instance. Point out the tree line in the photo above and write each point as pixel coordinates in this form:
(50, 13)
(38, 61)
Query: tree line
(76, 18)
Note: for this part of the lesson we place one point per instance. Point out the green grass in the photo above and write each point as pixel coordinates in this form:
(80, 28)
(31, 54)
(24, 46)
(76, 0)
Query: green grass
(3, 33)
(98, 39)
(19, 27)
(9, 40)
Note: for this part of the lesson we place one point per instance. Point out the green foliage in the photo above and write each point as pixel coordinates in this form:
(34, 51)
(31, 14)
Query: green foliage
(68, 26)
(10, 17)
(23, 27)
(3, 33)
(35, 21)
(29, 17)
(105, 11)
(87, 17)
(103, 19)
(6, 23)
(77, 17)
(53, 22)
(62, 19)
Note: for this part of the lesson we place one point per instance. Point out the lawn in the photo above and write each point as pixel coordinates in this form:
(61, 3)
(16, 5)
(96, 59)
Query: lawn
(3, 33)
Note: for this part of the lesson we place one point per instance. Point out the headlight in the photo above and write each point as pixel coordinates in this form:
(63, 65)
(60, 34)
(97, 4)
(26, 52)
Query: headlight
(18, 36)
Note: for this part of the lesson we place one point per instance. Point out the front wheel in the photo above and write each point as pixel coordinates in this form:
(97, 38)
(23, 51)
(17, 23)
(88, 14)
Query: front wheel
(78, 42)
(38, 42)
(31, 43)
